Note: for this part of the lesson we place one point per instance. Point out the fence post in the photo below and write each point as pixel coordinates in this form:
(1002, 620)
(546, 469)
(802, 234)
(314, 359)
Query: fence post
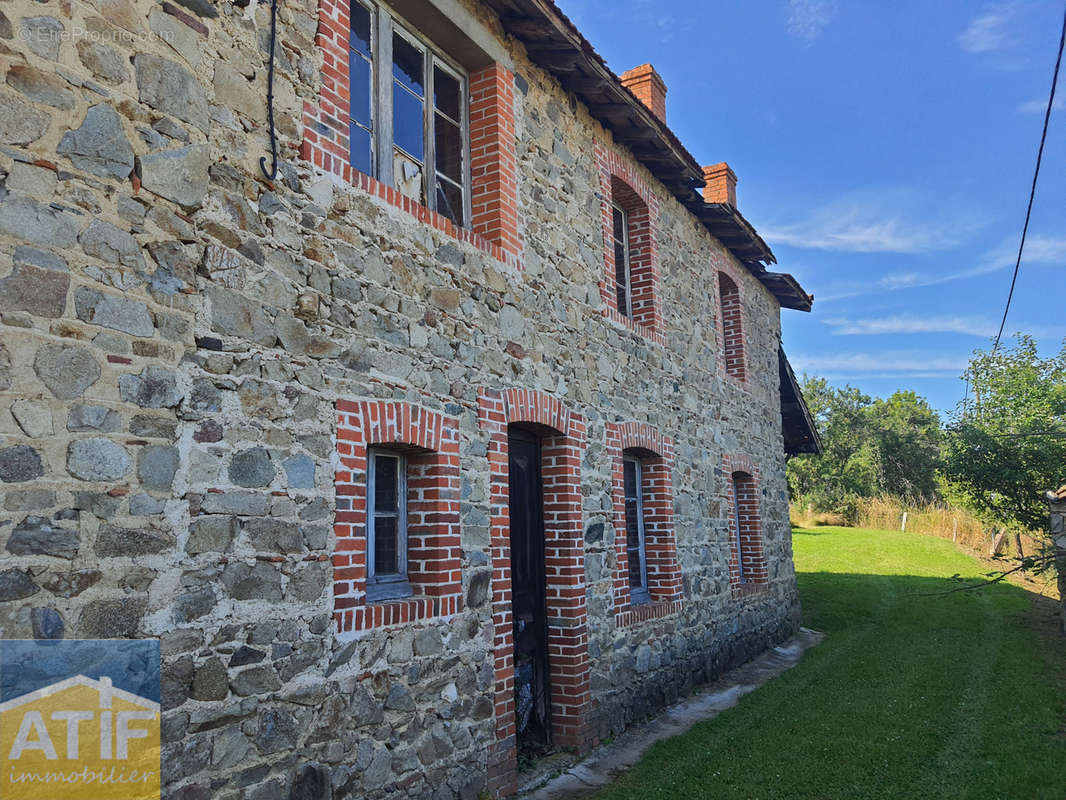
(955, 531)
(903, 525)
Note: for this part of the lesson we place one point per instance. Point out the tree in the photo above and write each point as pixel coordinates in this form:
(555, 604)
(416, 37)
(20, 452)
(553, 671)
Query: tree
(1007, 444)
(870, 447)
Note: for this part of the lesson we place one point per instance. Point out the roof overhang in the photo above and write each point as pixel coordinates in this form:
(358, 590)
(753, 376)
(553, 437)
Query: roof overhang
(554, 43)
(797, 424)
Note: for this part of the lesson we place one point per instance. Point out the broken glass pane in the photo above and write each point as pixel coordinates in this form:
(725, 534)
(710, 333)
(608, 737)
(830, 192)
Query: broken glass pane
(407, 64)
(446, 94)
(450, 200)
(449, 149)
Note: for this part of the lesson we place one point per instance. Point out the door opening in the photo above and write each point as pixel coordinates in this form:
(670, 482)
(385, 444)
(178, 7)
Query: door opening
(532, 685)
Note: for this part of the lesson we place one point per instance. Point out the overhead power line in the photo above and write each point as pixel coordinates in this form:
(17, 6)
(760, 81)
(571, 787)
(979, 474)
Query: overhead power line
(1032, 190)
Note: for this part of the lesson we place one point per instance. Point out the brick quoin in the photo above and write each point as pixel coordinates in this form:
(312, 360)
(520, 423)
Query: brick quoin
(562, 445)
(731, 352)
(620, 182)
(743, 493)
(494, 220)
(656, 453)
(431, 442)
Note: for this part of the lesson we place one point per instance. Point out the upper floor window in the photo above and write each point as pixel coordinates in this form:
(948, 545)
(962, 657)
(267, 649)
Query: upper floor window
(636, 551)
(622, 273)
(408, 122)
(732, 326)
(386, 526)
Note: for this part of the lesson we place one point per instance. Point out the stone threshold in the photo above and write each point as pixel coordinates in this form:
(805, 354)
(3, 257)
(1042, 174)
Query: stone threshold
(554, 780)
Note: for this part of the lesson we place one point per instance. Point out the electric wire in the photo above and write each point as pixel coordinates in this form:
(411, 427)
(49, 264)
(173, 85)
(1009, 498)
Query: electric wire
(1032, 195)
(1036, 174)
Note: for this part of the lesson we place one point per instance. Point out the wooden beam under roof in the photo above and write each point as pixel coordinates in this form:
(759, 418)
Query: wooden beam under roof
(554, 43)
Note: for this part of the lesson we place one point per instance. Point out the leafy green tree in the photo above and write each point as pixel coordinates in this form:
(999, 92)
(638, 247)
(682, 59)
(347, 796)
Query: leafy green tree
(1007, 442)
(906, 436)
(1007, 445)
(870, 447)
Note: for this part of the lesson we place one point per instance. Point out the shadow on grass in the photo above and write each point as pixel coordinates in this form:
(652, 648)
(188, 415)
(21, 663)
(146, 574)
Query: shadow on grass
(917, 692)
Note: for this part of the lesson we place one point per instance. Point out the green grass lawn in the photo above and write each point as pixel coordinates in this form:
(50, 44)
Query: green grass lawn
(911, 695)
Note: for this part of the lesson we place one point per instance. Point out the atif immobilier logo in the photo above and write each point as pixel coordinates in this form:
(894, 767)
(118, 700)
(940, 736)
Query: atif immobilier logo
(79, 720)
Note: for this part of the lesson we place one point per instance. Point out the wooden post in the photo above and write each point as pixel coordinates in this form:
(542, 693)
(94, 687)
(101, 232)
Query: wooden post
(997, 544)
(955, 531)
(1018, 545)
(903, 524)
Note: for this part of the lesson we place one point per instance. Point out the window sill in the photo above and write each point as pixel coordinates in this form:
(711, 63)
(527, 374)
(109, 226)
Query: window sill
(387, 590)
(652, 335)
(386, 613)
(312, 154)
(749, 589)
(632, 614)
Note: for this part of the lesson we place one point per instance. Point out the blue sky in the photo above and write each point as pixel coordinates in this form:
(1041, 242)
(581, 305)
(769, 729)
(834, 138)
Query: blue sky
(885, 151)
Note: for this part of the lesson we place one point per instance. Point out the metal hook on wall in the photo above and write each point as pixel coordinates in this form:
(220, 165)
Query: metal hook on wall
(272, 173)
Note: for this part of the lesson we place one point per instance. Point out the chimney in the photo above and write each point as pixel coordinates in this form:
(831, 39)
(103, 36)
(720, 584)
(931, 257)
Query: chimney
(721, 184)
(649, 87)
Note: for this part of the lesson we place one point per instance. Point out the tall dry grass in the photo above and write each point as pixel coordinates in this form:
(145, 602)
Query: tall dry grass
(886, 513)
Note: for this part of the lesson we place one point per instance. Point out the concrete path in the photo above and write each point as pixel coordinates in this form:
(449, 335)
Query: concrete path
(607, 761)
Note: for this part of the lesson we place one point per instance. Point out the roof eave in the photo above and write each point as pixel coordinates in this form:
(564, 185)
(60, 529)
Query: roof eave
(554, 43)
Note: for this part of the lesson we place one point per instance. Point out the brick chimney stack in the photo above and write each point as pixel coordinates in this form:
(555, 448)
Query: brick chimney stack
(649, 87)
(721, 184)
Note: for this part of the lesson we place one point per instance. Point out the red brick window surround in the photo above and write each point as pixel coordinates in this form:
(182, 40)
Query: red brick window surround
(655, 455)
(562, 438)
(630, 285)
(731, 312)
(329, 126)
(426, 443)
(747, 562)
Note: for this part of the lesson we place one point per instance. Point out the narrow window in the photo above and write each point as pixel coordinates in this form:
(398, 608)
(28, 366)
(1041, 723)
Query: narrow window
(738, 482)
(361, 74)
(621, 261)
(732, 326)
(408, 117)
(635, 552)
(386, 526)
(408, 124)
(448, 142)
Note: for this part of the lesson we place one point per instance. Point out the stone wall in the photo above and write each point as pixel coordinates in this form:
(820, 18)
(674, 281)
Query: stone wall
(176, 333)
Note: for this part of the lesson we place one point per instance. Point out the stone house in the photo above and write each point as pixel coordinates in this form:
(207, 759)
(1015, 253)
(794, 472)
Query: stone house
(461, 435)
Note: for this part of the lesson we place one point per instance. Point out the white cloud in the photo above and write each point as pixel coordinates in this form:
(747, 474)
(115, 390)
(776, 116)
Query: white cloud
(983, 327)
(886, 220)
(808, 18)
(1040, 106)
(898, 364)
(1039, 250)
(986, 33)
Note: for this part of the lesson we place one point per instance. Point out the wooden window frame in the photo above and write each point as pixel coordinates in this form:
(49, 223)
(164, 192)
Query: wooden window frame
(625, 310)
(394, 585)
(640, 594)
(742, 555)
(384, 24)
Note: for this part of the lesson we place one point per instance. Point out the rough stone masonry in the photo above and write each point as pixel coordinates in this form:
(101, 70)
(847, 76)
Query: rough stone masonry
(180, 338)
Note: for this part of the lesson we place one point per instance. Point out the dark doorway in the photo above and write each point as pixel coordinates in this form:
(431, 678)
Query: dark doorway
(532, 688)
